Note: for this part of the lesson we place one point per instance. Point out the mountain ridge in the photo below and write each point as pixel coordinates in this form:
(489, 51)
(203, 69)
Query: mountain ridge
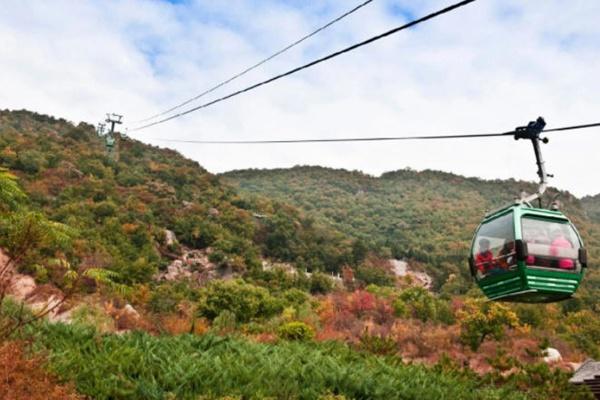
(428, 216)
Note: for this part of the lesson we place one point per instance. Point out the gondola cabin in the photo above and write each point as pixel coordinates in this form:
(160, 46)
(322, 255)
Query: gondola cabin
(526, 254)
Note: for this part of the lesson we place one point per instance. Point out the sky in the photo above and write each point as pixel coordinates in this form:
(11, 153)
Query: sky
(487, 67)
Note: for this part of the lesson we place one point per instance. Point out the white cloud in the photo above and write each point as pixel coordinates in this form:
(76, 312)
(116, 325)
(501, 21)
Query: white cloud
(490, 66)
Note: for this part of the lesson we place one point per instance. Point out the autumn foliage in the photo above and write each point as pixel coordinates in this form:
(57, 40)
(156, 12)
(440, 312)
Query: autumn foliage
(23, 377)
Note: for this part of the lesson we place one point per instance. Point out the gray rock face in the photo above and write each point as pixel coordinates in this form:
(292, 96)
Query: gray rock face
(401, 268)
(176, 271)
(192, 265)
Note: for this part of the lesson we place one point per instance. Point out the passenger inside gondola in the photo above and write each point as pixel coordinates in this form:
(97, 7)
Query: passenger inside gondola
(506, 256)
(559, 241)
(550, 244)
(484, 260)
(494, 244)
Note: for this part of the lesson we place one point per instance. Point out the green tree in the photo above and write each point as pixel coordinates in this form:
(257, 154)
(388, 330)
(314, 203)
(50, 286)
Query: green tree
(583, 329)
(11, 195)
(376, 272)
(320, 283)
(482, 319)
(31, 161)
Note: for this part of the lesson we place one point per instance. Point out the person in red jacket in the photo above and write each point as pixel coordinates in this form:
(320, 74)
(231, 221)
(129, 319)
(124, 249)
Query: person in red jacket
(484, 260)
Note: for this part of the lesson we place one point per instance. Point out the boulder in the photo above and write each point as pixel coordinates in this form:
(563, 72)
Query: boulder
(170, 238)
(50, 307)
(127, 318)
(551, 355)
(129, 310)
(21, 286)
(65, 317)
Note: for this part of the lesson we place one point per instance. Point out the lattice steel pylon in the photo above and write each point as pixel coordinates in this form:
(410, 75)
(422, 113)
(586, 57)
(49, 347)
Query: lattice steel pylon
(112, 137)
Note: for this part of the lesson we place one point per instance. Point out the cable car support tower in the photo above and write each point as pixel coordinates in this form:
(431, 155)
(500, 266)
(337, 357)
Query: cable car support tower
(112, 137)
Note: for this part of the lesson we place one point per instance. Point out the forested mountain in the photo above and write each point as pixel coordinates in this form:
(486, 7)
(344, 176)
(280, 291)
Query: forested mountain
(170, 282)
(121, 208)
(426, 216)
(591, 204)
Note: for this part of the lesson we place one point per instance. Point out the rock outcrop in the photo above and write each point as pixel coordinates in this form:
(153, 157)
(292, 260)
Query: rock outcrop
(42, 299)
(21, 286)
(193, 265)
(402, 269)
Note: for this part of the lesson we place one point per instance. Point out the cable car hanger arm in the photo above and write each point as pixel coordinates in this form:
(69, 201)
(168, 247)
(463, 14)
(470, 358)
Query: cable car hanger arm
(532, 132)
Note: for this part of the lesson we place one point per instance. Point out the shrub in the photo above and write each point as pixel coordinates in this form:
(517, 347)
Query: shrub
(419, 303)
(362, 303)
(164, 299)
(225, 322)
(94, 316)
(320, 283)
(177, 324)
(295, 297)
(296, 330)
(105, 209)
(400, 308)
(376, 272)
(244, 300)
(378, 344)
(30, 161)
(583, 329)
(23, 377)
(278, 279)
(11, 195)
(530, 314)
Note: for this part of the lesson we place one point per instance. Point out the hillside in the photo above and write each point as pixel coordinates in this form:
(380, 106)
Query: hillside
(121, 209)
(591, 204)
(426, 216)
(163, 281)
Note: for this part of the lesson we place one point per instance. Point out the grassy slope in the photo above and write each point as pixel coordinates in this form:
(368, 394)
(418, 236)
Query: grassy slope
(139, 366)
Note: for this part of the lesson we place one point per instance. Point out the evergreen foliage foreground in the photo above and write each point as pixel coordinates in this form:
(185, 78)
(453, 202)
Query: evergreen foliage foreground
(140, 366)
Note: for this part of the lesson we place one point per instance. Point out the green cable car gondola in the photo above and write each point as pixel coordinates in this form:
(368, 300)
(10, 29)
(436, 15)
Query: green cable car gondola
(528, 254)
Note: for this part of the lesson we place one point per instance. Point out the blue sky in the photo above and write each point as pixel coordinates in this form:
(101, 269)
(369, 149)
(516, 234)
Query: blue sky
(490, 66)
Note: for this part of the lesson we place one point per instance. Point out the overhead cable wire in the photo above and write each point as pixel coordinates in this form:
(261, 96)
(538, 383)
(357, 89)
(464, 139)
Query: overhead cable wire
(570, 128)
(378, 139)
(258, 64)
(312, 63)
